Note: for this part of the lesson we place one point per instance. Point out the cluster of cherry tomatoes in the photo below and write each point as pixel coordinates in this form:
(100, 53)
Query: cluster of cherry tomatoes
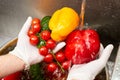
(41, 38)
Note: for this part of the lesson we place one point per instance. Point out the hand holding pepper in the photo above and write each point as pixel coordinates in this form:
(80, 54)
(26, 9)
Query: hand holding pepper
(90, 70)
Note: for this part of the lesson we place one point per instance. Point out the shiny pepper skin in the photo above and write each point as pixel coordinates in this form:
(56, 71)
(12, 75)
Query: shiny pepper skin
(82, 46)
(63, 22)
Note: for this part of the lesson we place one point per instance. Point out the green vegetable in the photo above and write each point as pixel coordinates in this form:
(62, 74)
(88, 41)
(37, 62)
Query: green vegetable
(45, 23)
(41, 43)
(36, 72)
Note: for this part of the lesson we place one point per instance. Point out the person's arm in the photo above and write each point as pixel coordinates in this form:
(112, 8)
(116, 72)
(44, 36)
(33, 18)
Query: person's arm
(22, 56)
(10, 64)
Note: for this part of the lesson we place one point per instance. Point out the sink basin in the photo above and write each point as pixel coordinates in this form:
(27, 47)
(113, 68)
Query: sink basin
(11, 44)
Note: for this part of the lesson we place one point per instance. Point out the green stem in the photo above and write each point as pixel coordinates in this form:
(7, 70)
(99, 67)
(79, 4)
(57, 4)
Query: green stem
(58, 63)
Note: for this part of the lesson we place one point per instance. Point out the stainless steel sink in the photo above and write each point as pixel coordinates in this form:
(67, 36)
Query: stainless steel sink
(13, 13)
(102, 15)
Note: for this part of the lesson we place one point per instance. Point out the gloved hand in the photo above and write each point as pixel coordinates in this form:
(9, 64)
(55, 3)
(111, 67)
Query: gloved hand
(89, 70)
(24, 50)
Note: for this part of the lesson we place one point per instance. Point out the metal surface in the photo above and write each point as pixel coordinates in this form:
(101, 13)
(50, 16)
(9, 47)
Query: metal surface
(13, 13)
(116, 71)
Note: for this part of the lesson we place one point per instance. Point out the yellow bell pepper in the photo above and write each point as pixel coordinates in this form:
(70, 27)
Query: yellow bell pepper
(63, 22)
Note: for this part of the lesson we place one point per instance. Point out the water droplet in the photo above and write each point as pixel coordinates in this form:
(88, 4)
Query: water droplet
(117, 69)
(113, 16)
(119, 74)
(86, 24)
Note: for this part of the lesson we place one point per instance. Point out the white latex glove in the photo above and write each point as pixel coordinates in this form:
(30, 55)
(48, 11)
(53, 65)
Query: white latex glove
(89, 70)
(24, 50)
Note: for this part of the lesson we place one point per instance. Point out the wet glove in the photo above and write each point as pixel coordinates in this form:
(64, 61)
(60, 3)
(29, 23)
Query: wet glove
(24, 50)
(89, 70)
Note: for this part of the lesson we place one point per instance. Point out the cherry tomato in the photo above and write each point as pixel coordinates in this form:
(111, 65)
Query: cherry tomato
(43, 50)
(60, 56)
(34, 39)
(14, 76)
(50, 43)
(36, 21)
(48, 58)
(36, 28)
(45, 34)
(52, 67)
(66, 65)
(31, 32)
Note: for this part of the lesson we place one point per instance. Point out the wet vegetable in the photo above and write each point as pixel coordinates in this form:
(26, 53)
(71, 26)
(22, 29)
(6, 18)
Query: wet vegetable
(63, 22)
